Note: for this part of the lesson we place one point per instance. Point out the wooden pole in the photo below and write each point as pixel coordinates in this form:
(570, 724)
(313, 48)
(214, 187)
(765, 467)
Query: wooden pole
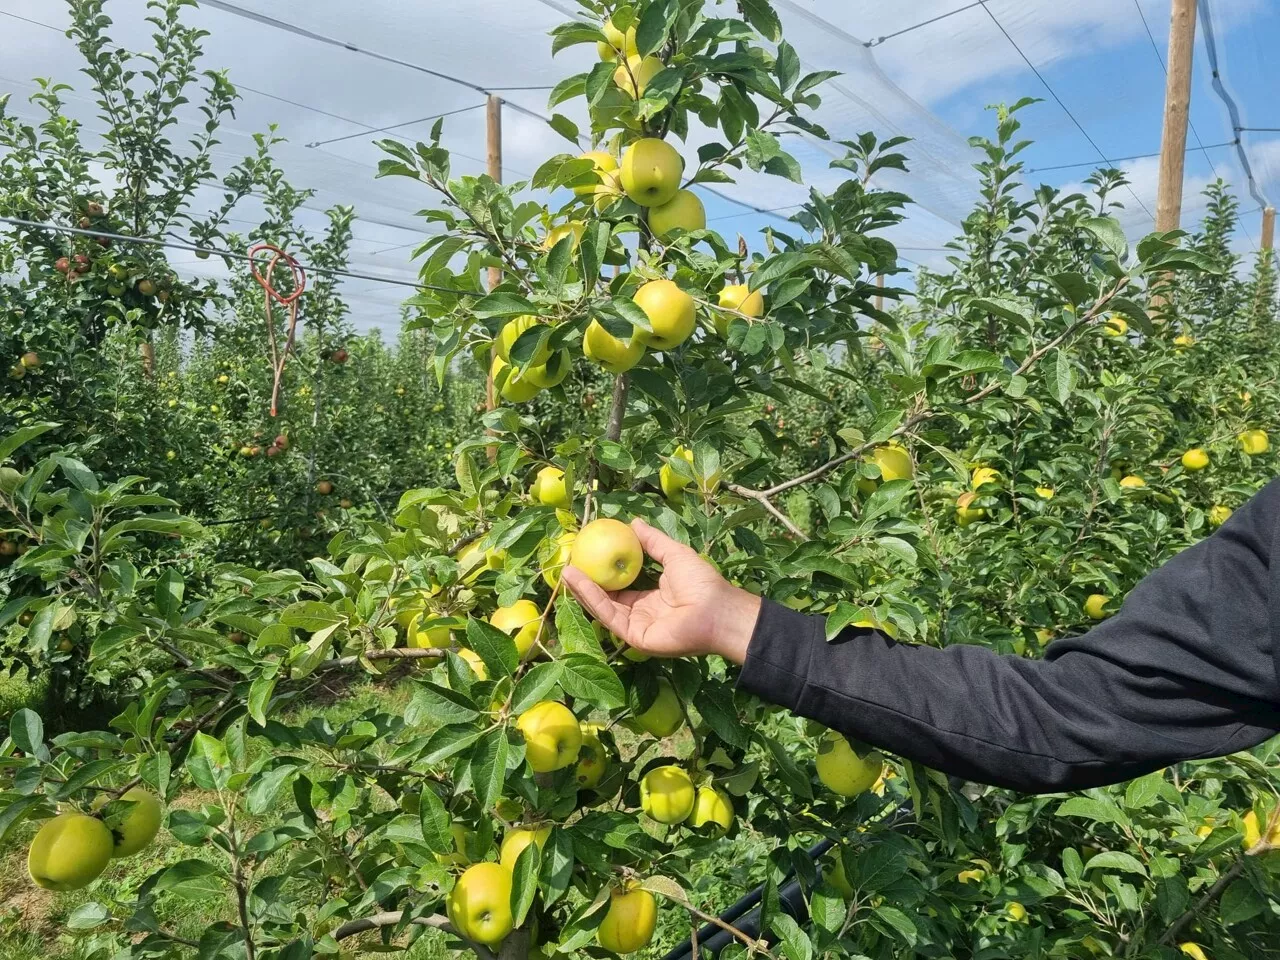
(493, 137)
(879, 297)
(1268, 227)
(1177, 105)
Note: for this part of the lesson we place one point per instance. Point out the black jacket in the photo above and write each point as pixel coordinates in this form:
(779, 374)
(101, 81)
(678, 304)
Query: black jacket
(1186, 669)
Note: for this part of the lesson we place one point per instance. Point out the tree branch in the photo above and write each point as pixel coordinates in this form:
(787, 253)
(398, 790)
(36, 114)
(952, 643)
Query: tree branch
(391, 917)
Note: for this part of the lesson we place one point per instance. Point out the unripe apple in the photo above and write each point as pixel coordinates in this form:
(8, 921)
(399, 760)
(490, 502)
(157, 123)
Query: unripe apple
(894, 462)
(593, 760)
(69, 852)
(574, 228)
(552, 736)
(146, 287)
(1195, 459)
(636, 74)
(511, 383)
(560, 559)
(671, 314)
(601, 163)
(615, 42)
(651, 170)
(520, 621)
(665, 715)
(141, 823)
(324, 488)
(712, 807)
(738, 296)
(552, 372)
(841, 770)
(616, 356)
(510, 333)
(549, 489)
(17, 372)
(516, 840)
(629, 923)
(608, 552)
(479, 905)
(684, 211)
(667, 794)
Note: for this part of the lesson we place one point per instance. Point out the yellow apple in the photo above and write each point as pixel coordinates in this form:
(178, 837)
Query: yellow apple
(141, 823)
(1132, 482)
(608, 552)
(670, 311)
(983, 476)
(1193, 950)
(479, 905)
(1183, 341)
(628, 925)
(672, 483)
(69, 852)
(894, 462)
(521, 622)
(1254, 442)
(667, 794)
(477, 666)
(516, 840)
(616, 41)
(1115, 327)
(511, 383)
(608, 193)
(977, 875)
(651, 170)
(1045, 493)
(966, 514)
(1095, 606)
(602, 347)
(636, 73)
(712, 806)
(459, 856)
(549, 489)
(664, 716)
(684, 211)
(550, 373)
(1195, 459)
(1218, 515)
(574, 228)
(552, 736)
(842, 770)
(593, 762)
(601, 163)
(1016, 911)
(437, 637)
(738, 296)
(559, 560)
(510, 333)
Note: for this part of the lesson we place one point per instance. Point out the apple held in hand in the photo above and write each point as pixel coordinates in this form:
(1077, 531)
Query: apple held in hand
(651, 170)
(552, 736)
(684, 211)
(609, 552)
(616, 356)
(670, 311)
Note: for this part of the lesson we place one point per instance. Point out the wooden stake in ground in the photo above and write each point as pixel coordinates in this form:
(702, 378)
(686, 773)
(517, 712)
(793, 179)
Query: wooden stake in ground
(880, 297)
(1268, 227)
(493, 115)
(1177, 105)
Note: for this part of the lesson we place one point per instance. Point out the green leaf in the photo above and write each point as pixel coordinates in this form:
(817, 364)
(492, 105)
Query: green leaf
(437, 825)
(14, 813)
(524, 881)
(432, 705)
(502, 305)
(1143, 791)
(27, 731)
(208, 763)
(1100, 811)
(22, 435)
(310, 615)
(494, 647)
(260, 692)
(1109, 233)
(266, 784)
(894, 921)
(1061, 377)
(760, 14)
(534, 686)
(886, 499)
(169, 590)
(592, 680)
(87, 916)
(489, 766)
(192, 880)
(795, 945)
(1240, 902)
(575, 631)
(1116, 860)
(714, 700)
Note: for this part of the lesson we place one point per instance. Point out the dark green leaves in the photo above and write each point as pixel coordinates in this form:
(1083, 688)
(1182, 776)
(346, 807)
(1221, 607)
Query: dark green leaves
(494, 647)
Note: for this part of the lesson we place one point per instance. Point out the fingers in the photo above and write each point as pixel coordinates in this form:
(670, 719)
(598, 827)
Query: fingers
(656, 543)
(598, 603)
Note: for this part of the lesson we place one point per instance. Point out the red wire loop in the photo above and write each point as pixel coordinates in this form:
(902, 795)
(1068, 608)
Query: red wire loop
(290, 300)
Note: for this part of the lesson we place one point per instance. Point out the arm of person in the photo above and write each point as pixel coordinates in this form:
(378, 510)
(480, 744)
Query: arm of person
(1185, 670)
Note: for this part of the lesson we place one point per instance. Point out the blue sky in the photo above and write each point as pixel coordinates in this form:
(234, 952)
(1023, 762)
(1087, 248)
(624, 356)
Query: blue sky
(931, 83)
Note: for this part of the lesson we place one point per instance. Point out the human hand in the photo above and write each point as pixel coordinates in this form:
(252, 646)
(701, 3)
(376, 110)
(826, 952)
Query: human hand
(694, 611)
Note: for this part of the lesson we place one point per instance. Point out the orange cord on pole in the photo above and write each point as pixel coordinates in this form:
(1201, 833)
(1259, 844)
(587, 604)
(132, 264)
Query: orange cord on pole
(290, 300)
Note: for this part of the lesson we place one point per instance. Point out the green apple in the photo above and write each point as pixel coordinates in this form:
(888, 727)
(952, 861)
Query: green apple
(551, 372)
(511, 383)
(616, 356)
(670, 311)
(549, 489)
(510, 333)
(616, 41)
(69, 852)
(552, 736)
(636, 74)
(684, 211)
(651, 170)
(738, 296)
(602, 163)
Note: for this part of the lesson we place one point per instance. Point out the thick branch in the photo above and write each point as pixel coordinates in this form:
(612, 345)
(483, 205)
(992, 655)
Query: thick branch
(395, 653)
(391, 917)
(762, 497)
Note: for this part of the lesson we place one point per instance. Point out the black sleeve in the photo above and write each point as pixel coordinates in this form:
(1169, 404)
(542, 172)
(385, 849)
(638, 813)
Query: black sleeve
(1185, 670)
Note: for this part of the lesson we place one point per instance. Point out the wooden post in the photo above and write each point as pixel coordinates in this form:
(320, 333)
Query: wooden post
(1268, 227)
(1177, 105)
(880, 297)
(493, 115)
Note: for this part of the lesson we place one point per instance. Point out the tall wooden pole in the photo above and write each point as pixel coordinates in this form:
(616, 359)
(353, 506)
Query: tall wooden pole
(1177, 105)
(880, 297)
(1268, 227)
(493, 115)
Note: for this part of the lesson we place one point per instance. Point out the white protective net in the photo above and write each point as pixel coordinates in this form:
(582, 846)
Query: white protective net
(923, 69)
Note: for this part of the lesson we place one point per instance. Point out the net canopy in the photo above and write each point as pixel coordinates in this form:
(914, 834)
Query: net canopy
(333, 77)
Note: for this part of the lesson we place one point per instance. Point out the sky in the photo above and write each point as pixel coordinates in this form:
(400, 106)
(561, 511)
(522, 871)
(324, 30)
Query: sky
(923, 68)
